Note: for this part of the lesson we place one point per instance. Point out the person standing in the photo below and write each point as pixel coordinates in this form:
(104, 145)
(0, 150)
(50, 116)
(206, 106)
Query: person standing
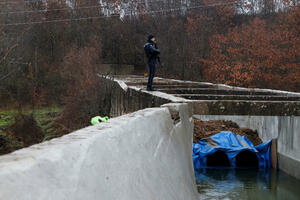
(152, 53)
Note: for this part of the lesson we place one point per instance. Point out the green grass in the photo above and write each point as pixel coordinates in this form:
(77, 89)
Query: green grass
(44, 117)
(7, 118)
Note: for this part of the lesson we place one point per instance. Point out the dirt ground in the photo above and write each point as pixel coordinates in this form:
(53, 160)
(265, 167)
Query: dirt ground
(203, 129)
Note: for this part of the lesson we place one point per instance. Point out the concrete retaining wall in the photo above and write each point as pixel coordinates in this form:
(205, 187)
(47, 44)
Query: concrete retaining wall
(125, 99)
(285, 128)
(144, 155)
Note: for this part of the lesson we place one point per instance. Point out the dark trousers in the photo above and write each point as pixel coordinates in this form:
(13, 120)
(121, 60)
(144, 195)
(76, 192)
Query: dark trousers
(152, 66)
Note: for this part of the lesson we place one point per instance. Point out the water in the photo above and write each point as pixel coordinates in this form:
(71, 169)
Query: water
(247, 184)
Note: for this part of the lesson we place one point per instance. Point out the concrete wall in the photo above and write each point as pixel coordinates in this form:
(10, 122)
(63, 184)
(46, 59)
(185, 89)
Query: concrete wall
(144, 155)
(126, 99)
(252, 108)
(285, 128)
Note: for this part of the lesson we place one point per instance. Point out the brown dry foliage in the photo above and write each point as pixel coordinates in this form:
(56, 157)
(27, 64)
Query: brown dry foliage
(258, 54)
(84, 89)
(204, 129)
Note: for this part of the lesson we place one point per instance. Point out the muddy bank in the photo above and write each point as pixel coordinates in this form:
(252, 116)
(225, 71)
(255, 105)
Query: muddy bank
(203, 129)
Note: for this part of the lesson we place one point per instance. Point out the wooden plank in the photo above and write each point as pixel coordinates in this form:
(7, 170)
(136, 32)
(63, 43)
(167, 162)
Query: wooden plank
(274, 153)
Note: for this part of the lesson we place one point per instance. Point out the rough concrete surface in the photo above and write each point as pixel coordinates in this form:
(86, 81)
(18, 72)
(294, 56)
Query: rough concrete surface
(144, 155)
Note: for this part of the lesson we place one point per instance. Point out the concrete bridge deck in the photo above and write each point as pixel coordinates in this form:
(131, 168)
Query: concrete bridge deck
(219, 99)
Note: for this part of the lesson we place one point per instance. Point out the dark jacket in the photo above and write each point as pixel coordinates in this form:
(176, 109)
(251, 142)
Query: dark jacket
(151, 50)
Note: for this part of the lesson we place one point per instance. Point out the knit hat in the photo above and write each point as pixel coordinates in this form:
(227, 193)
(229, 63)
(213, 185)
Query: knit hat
(150, 37)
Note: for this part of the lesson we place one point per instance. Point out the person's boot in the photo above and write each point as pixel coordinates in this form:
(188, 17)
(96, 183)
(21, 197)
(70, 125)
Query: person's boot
(151, 89)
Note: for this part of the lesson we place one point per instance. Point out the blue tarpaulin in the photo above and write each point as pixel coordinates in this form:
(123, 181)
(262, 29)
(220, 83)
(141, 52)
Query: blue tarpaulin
(231, 144)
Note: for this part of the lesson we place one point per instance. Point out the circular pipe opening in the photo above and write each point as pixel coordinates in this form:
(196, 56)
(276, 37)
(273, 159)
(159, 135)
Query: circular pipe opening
(217, 159)
(246, 159)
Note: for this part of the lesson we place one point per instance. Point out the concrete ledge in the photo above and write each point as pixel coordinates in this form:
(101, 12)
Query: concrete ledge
(263, 108)
(139, 80)
(143, 155)
(289, 165)
(125, 99)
